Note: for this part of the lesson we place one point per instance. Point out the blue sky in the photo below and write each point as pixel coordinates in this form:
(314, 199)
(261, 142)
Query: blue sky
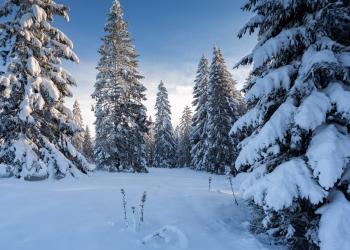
(170, 37)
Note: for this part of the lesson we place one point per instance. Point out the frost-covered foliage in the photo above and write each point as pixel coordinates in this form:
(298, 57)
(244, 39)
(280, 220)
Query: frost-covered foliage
(200, 118)
(150, 143)
(88, 145)
(35, 126)
(164, 133)
(224, 106)
(121, 120)
(183, 146)
(78, 138)
(295, 136)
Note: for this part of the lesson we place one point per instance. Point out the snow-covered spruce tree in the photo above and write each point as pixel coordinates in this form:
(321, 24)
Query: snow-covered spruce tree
(35, 126)
(121, 120)
(200, 118)
(150, 143)
(297, 149)
(88, 145)
(78, 137)
(223, 111)
(183, 151)
(164, 134)
(177, 144)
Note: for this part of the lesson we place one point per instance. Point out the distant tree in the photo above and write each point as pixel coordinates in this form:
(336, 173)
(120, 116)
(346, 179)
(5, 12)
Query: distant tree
(150, 143)
(35, 126)
(121, 120)
(223, 110)
(183, 156)
(199, 136)
(295, 137)
(164, 133)
(78, 137)
(88, 145)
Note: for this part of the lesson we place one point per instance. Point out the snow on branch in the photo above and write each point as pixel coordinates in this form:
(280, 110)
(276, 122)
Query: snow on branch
(313, 111)
(340, 98)
(278, 189)
(328, 155)
(334, 230)
(253, 117)
(276, 45)
(276, 79)
(274, 130)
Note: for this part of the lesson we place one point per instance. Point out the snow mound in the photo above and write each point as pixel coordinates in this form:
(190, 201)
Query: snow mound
(163, 234)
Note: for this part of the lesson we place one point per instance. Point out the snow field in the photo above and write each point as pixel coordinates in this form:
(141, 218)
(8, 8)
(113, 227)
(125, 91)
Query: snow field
(87, 213)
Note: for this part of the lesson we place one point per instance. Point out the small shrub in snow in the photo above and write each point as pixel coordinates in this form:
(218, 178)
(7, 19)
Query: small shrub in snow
(124, 202)
(233, 192)
(142, 208)
(137, 213)
(209, 183)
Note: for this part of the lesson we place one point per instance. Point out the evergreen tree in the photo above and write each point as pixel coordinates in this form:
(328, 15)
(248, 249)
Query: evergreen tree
(223, 111)
(88, 145)
(78, 137)
(183, 155)
(35, 126)
(178, 148)
(150, 143)
(164, 135)
(296, 132)
(200, 118)
(121, 120)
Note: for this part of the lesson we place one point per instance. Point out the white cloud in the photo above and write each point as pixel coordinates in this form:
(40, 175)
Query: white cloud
(240, 75)
(178, 81)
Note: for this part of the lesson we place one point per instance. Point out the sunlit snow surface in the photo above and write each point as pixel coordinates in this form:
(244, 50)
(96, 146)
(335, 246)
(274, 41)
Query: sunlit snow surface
(87, 213)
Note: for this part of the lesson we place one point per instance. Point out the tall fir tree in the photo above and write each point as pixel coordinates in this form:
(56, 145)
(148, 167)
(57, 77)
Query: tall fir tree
(199, 134)
(88, 145)
(223, 111)
(183, 152)
(78, 137)
(150, 143)
(164, 134)
(295, 135)
(35, 126)
(121, 120)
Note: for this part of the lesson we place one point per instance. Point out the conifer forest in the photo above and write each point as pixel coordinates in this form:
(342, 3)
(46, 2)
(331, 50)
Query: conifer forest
(227, 152)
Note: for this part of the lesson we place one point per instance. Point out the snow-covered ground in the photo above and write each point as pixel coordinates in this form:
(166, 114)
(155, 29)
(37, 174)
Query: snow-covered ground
(87, 214)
